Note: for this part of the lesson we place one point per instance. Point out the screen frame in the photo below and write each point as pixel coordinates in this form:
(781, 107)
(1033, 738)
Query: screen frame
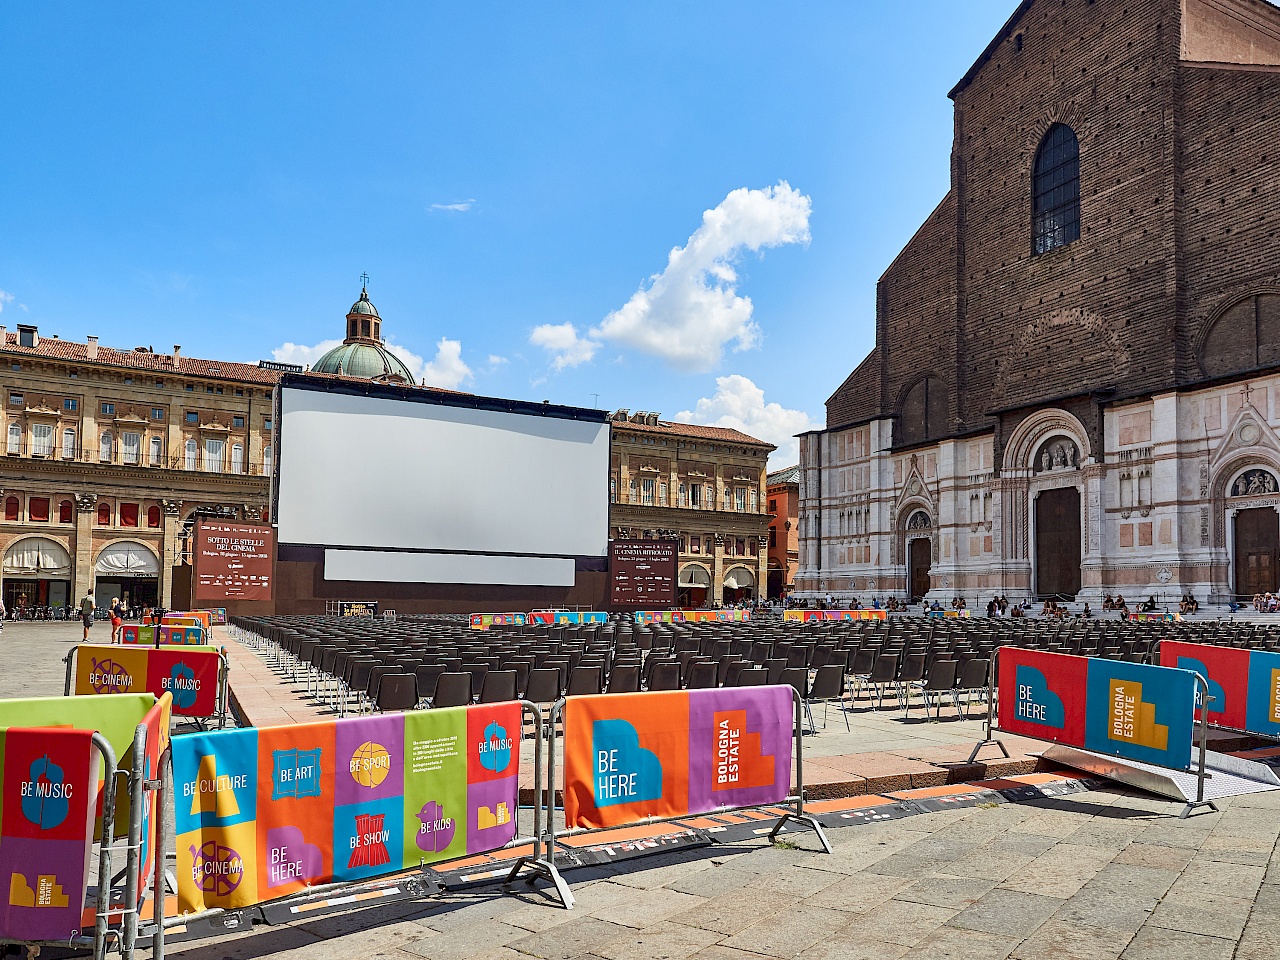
(343, 386)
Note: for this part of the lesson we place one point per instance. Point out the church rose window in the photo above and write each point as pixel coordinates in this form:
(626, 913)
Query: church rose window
(1055, 191)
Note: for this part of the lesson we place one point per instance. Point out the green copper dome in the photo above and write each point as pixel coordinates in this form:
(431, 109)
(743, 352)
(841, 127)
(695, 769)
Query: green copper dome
(362, 353)
(370, 361)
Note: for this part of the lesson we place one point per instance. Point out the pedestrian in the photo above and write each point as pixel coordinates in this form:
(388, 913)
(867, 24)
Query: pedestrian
(86, 613)
(117, 618)
(3, 613)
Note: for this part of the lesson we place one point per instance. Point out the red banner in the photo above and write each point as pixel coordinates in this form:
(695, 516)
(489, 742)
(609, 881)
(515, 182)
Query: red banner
(49, 789)
(232, 561)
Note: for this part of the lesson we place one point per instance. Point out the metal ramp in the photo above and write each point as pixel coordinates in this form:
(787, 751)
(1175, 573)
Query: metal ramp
(1224, 775)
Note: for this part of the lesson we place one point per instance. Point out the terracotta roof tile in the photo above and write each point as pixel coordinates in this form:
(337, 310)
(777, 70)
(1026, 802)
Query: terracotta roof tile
(72, 351)
(694, 430)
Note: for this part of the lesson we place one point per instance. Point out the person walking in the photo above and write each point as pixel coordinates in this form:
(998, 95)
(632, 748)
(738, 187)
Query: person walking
(117, 619)
(86, 613)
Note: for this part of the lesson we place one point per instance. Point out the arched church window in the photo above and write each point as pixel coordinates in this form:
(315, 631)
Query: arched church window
(1055, 190)
(1245, 336)
(924, 413)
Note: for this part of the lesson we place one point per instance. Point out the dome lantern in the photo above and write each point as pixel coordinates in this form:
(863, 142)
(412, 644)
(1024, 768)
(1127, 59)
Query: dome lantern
(362, 354)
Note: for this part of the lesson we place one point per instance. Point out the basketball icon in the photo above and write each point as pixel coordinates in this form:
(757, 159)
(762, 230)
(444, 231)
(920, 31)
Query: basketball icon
(370, 764)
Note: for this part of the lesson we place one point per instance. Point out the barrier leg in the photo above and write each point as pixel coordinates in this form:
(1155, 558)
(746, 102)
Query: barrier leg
(800, 816)
(66, 685)
(543, 861)
(988, 740)
(1200, 802)
(165, 788)
(102, 907)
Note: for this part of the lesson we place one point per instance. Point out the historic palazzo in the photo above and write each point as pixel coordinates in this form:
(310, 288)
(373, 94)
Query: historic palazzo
(1075, 387)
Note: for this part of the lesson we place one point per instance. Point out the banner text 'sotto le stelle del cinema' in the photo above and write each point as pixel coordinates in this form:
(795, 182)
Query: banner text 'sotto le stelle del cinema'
(1244, 685)
(1130, 710)
(637, 755)
(262, 813)
(232, 562)
(190, 674)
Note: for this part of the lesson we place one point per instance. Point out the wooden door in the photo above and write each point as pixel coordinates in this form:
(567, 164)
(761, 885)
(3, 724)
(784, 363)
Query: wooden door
(1058, 543)
(919, 559)
(1257, 543)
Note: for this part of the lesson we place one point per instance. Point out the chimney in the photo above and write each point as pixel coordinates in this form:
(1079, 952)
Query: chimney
(91, 353)
(177, 355)
(4, 336)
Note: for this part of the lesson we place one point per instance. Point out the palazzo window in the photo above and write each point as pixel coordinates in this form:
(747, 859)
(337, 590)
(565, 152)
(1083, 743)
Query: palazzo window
(648, 486)
(42, 439)
(266, 460)
(104, 514)
(68, 444)
(65, 512)
(157, 451)
(740, 499)
(128, 514)
(1055, 191)
(38, 509)
(105, 445)
(11, 508)
(237, 458)
(15, 438)
(190, 453)
(153, 517)
(131, 448)
(214, 455)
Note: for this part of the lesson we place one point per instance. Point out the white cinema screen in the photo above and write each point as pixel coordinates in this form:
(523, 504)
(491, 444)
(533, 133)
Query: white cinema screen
(400, 472)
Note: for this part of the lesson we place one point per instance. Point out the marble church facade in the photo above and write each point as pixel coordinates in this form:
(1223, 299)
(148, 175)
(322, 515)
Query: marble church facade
(1075, 387)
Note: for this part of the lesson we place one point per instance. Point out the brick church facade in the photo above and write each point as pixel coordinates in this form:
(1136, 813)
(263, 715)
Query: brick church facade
(1075, 387)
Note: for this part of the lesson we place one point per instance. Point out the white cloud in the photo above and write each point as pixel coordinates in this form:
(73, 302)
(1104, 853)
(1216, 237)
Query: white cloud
(563, 340)
(447, 369)
(459, 206)
(497, 361)
(5, 297)
(738, 403)
(303, 355)
(688, 313)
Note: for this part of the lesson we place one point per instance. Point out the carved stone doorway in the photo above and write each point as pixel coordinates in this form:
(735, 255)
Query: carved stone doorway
(919, 559)
(1257, 543)
(1058, 543)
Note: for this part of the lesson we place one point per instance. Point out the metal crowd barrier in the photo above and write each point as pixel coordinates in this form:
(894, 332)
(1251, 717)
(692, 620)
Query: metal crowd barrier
(222, 711)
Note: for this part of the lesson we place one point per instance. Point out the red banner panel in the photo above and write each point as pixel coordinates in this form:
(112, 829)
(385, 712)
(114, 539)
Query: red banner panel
(232, 561)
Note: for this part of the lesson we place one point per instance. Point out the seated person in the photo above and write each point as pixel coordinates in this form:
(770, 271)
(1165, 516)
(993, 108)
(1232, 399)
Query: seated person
(1108, 603)
(1086, 613)
(1150, 605)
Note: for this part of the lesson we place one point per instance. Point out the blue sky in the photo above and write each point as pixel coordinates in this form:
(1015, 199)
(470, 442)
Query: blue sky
(513, 178)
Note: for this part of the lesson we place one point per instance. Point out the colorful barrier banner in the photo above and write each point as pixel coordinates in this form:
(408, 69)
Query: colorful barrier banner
(1154, 617)
(1122, 709)
(658, 616)
(47, 803)
(630, 756)
(116, 717)
(217, 616)
(723, 616)
(805, 616)
(187, 618)
(133, 634)
(1244, 685)
(948, 613)
(568, 616)
(190, 674)
(262, 813)
(483, 621)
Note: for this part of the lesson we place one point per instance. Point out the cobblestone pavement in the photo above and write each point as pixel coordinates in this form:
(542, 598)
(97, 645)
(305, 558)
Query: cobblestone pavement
(31, 655)
(1091, 876)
